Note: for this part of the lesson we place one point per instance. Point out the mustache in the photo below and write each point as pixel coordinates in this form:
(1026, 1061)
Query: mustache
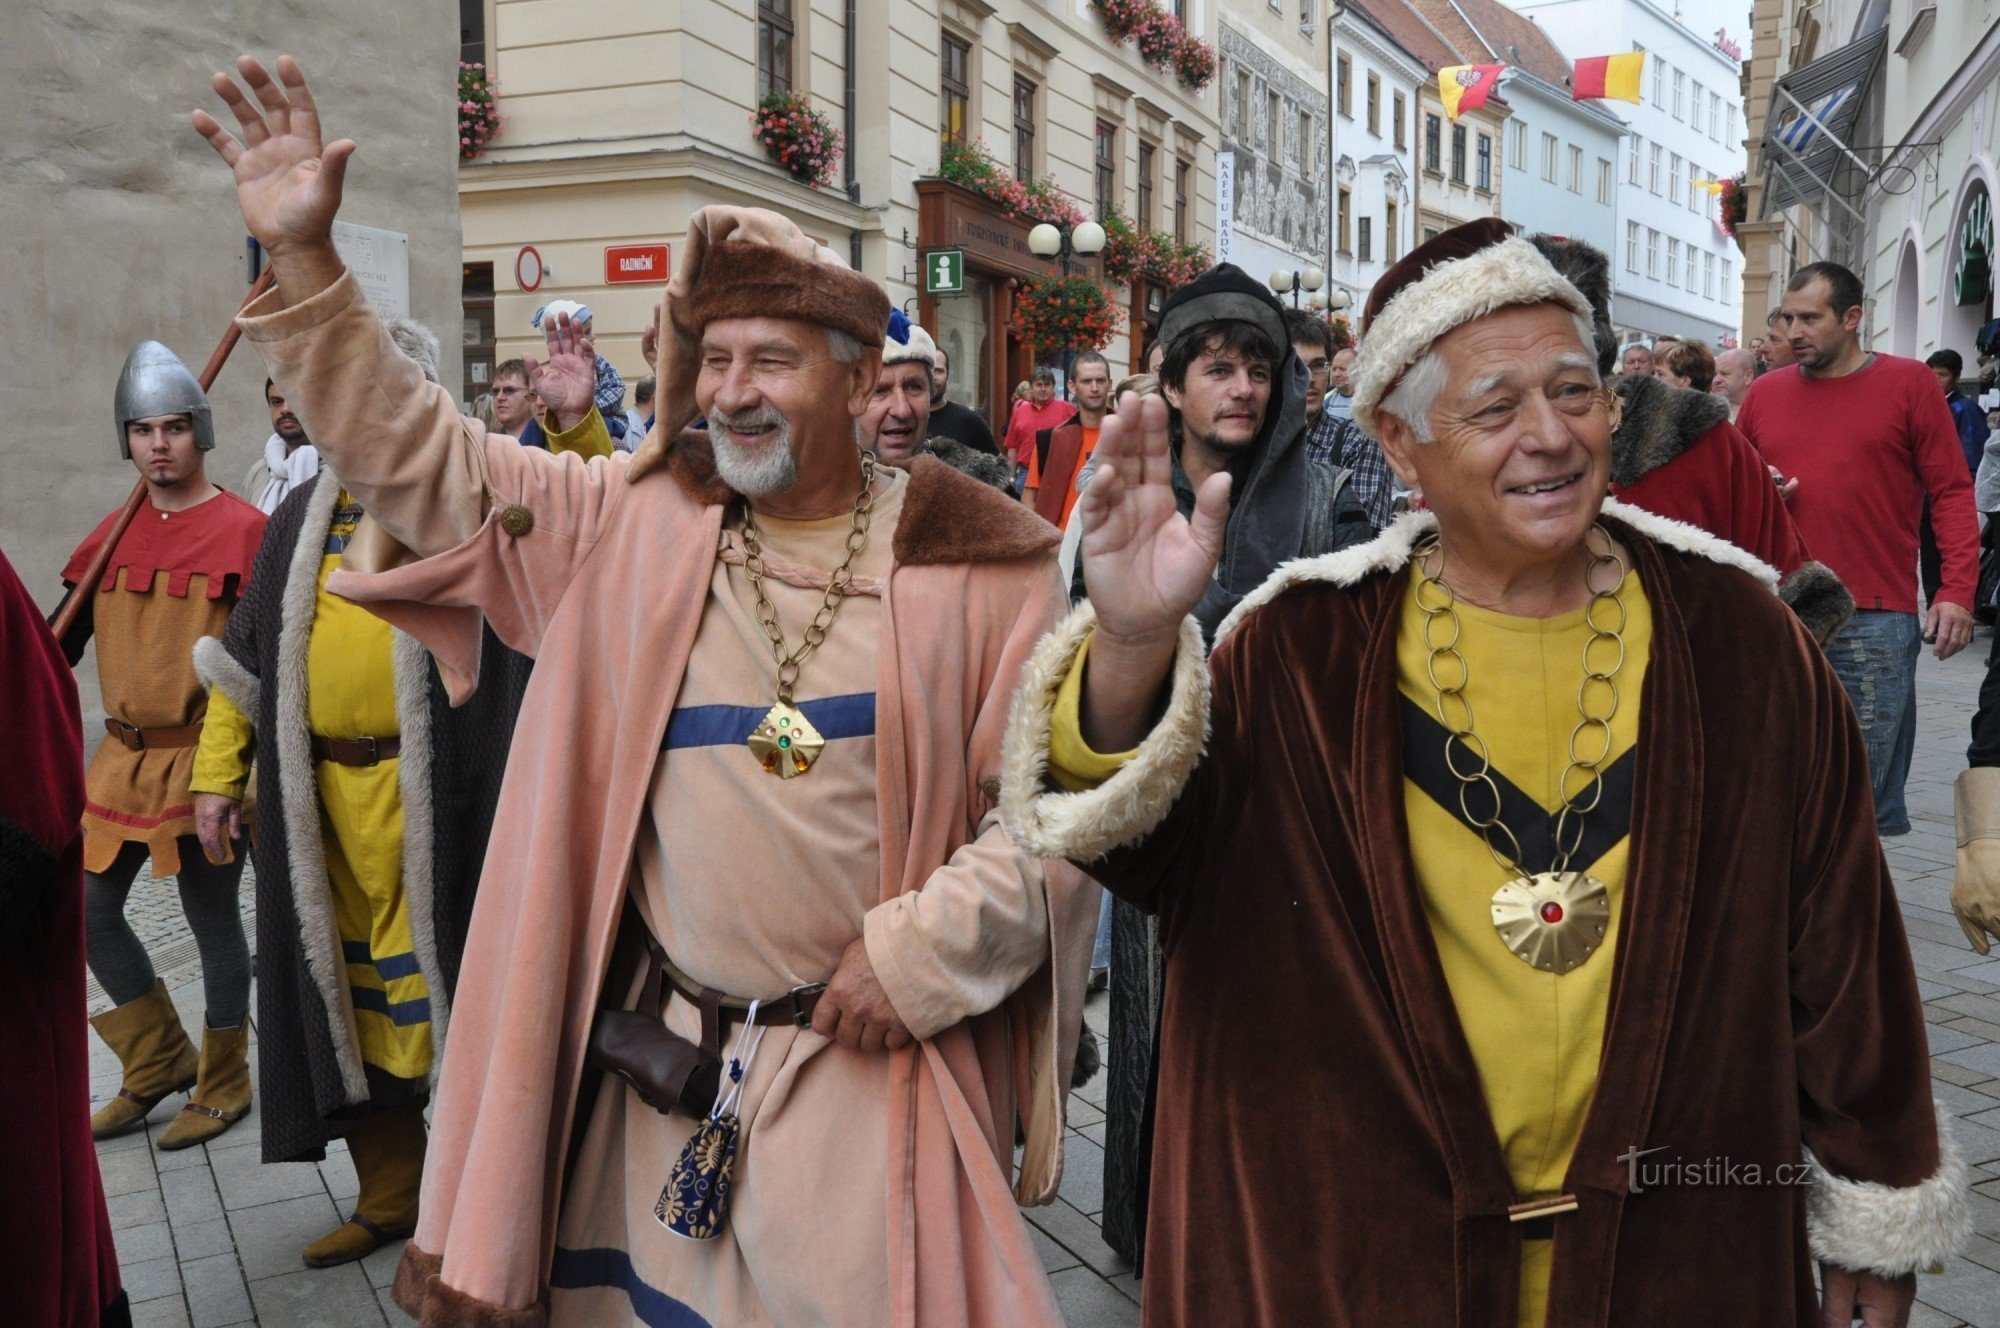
(762, 419)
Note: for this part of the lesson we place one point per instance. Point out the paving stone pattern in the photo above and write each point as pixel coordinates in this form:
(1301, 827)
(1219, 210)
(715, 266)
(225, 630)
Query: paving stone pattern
(208, 1237)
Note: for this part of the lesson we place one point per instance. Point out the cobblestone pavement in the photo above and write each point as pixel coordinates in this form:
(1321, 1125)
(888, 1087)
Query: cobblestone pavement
(208, 1237)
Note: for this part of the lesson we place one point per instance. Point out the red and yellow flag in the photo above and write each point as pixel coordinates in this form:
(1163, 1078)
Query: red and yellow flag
(1608, 77)
(1465, 88)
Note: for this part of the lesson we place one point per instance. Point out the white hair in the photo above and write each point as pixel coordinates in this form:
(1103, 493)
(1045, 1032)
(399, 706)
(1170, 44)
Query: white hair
(1416, 392)
(416, 341)
(771, 469)
(844, 348)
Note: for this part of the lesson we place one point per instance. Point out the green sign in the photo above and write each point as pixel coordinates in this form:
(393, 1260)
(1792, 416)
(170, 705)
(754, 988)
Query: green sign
(944, 272)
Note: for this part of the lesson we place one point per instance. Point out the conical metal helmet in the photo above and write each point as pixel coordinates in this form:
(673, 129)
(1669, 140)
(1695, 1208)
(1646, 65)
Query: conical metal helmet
(155, 382)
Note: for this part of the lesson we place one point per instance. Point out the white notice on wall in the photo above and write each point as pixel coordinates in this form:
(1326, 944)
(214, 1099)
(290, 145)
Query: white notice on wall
(1225, 205)
(380, 261)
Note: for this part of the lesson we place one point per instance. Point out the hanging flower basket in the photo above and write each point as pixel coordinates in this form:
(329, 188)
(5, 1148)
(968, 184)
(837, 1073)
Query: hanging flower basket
(478, 114)
(1130, 253)
(1735, 209)
(1341, 331)
(1064, 314)
(798, 138)
(1194, 62)
(1122, 17)
(1159, 37)
(972, 166)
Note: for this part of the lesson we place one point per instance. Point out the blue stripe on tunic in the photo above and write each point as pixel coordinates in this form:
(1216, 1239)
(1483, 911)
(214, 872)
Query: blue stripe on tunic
(400, 1013)
(390, 967)
(581, 1270)
(835, 717)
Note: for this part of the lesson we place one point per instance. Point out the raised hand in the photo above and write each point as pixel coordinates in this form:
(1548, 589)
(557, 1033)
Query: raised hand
(567, 382)
(287, 183)
(1145, 566)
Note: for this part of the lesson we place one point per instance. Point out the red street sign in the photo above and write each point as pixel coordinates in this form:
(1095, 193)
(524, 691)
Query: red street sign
(635, 264)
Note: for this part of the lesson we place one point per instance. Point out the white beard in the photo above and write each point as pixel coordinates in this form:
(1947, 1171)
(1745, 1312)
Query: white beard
(770, 469)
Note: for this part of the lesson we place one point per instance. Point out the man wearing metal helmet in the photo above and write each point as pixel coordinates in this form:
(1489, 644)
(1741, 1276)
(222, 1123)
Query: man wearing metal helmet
(170, 581)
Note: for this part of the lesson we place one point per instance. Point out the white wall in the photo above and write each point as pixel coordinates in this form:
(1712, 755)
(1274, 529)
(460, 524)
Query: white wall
(1538, 204)
(1372, 186)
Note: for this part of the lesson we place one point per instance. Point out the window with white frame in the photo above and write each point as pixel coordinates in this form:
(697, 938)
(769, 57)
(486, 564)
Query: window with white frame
(1652, 253)
(1517, 145)
(1635, 151)
(1575, 169)
(1708, 275)
(1674, 178)
(1695, 177)
(1653, 163)
(1673, 261)
(1549, 158)
(1693, 268)
(1484, 176)
(1631, 246)
(1694, 108)
(1680, 95)
(1728, 276)
(1364, 239)
(1729, 134)
(1659, 83)
(1603, 180)
(1715, 115)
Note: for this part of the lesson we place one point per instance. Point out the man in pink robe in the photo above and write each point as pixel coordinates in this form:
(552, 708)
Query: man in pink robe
(874, 1181)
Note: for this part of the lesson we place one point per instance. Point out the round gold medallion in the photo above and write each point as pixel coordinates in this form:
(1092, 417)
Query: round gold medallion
(1553, 920)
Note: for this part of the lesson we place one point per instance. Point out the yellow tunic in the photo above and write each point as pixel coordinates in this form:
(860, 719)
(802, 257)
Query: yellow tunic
(1535, 1037)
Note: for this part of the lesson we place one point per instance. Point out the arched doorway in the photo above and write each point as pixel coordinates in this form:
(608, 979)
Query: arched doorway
(1965, 294)
(1906, 304)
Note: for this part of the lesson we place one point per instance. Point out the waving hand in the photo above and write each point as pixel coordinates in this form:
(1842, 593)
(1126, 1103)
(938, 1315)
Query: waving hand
(287, 182)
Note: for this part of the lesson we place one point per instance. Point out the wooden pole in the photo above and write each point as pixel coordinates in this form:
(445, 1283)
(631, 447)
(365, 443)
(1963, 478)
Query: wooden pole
(94, 573)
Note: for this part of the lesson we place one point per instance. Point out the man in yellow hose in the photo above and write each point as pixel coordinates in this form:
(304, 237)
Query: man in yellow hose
(375, 800)
(1530, 955)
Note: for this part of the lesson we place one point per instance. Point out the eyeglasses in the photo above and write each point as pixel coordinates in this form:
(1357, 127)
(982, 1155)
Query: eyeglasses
(1319, 368)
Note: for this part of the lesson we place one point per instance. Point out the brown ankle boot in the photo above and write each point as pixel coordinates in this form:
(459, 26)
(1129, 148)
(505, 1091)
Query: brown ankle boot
(155, 1053)
(221, 1094)
(388, 1155)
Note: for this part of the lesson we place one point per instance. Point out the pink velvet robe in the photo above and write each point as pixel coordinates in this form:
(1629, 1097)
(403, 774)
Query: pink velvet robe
(603, 582)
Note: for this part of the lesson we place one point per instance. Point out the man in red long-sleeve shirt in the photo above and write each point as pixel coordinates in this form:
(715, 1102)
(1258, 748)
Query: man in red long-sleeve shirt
(1869, 438)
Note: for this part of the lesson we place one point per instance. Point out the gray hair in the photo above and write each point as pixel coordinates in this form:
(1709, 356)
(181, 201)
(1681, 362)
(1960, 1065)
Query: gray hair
(1416, 393)
(843, 348)
(416, 341)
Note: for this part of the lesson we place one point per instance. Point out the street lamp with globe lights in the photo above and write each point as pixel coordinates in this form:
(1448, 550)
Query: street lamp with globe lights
(1060, 241)
(1287, 282)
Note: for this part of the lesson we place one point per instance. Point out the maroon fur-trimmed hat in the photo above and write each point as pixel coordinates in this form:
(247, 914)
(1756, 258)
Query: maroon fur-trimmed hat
(746, 279)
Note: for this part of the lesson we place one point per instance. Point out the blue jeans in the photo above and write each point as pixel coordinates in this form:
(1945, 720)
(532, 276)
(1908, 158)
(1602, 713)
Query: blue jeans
(1875, 657)
(1100, 953)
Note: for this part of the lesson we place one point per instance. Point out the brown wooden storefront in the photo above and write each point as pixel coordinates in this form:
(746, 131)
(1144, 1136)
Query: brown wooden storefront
(976, 328)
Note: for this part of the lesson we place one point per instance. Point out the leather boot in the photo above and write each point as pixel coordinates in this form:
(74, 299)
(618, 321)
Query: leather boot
(221, 1094)
(155, 1053)
(388, 1155)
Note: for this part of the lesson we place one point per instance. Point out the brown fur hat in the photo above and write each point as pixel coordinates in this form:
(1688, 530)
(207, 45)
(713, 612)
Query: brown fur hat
(743, 279)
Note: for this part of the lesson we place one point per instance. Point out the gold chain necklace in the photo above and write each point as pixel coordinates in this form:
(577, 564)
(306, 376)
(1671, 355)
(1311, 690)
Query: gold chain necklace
(1554, 920)
(784, 741)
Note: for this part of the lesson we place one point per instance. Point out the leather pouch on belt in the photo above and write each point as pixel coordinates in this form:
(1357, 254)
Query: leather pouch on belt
(667, 1071)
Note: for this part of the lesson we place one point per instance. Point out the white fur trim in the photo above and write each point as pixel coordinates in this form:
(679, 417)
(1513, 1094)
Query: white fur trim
(298, 789)
(1887, 1230)
(220, 671)
(412, 665)
(1128, 806)
(1447, 296)
(1390, 552)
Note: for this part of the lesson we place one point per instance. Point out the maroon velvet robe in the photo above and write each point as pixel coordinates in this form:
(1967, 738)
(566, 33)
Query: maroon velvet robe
(1323, 1154)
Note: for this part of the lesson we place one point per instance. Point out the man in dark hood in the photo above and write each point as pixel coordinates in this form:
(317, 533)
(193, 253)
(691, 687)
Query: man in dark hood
(1236, 394)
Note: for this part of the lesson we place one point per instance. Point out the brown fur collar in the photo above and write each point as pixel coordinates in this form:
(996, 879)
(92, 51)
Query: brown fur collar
(948, 516)
(1822, 602)
(1658, 423)
(425, 1297)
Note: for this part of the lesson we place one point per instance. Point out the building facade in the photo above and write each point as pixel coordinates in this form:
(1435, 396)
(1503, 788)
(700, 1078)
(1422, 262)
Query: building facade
(1273, 89)
(624, 118)
(1374, 153)
(1675, 272)
(1559, 155)
(1931, 200)
(128, 229)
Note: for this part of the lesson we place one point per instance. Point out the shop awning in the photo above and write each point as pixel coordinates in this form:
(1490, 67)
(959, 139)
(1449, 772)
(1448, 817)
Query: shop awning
(1809, 128)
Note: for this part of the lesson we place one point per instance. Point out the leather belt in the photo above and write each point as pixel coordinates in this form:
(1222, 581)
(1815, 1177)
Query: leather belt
(139, 739)
(795, 1007)
(355, 751)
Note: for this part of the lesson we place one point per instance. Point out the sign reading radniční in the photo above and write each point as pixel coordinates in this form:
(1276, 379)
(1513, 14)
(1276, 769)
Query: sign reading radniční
(944, 272)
